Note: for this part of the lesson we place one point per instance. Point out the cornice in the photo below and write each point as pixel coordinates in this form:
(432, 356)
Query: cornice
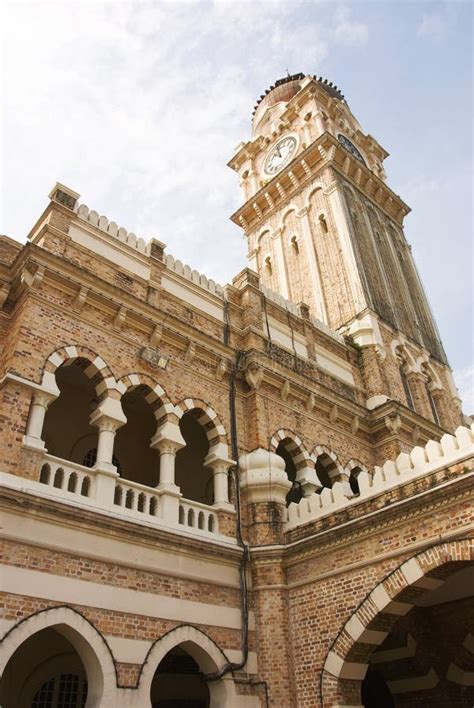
(99, 523)
(372, 523)
(324, 152)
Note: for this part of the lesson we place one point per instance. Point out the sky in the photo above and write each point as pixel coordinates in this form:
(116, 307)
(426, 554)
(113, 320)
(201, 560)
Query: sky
(138, 106)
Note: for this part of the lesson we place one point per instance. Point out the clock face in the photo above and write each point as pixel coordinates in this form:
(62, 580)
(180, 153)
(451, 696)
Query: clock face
(350, 147)
(280, 155)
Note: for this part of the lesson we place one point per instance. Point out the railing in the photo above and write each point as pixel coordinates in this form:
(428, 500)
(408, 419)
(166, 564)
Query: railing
(136, 498)
(450, 450)
(197, 516)
(74, 482)
(66, 477)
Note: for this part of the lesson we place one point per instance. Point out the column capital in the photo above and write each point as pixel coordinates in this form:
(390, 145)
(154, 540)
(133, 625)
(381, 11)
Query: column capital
(168, 438)
(108, 415)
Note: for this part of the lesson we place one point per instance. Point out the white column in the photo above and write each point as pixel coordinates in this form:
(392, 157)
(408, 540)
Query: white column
(318, 299)
(168, 440)
(219, 463)
(39, 406)
(108, 418)
(339, 213)
(105, 445)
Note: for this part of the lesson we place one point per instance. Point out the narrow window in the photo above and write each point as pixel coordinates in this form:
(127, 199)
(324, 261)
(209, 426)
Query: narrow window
(294, 245)
(434, 410)
(406, 388)
(324, 224)
(268, 265)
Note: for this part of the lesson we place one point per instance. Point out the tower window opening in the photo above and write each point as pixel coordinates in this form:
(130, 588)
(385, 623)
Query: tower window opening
(294, 245)
(406, 387)
(324, 223)
(434, 410)
(268, 265)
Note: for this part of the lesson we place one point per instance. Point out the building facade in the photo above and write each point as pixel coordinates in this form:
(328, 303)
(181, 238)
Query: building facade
(242, 496)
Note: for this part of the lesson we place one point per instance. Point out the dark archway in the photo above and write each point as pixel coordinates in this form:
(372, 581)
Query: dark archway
(295, 494)
(67, 431)
(178, 682)
(138, 462)
(192, 477)
(44, 672)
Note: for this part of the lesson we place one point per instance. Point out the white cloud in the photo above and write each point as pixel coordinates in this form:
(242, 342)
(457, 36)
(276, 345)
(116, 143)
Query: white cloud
(465, 381)
(348, 31)
(138, 106)
(433, 25)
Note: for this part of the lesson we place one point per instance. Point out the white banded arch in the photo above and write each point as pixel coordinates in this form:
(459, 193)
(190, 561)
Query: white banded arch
(329, 470)
(209, 657)
(369, 625)
(299, 464)
(202, 464)
(78, 393)
(89, 644)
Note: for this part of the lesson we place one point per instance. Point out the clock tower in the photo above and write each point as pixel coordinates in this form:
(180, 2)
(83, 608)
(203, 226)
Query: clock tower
(324, 228)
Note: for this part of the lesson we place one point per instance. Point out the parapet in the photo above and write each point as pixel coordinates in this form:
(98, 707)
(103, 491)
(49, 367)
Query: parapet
(421, 461)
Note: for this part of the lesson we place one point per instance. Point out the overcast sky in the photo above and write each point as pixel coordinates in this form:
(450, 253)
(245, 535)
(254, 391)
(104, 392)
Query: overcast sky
(138, 106)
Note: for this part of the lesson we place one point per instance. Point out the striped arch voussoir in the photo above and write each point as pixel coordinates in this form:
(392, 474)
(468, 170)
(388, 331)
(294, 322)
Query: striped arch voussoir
(155, 395)
(355, 464)
(91, 363)
(294, 446)
(323, 450)
(369, 625)
(205, 416)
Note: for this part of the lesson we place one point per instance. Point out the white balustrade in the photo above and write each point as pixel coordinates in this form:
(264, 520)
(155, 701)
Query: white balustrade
(68, 478)
(197, 516)
(136, 499)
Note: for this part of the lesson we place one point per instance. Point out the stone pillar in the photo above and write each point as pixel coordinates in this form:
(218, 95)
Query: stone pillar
(219, 463)
(319, 303)
(168, 440)
(309, 481)
(439, 397)
(108, 418)
(264, 485)
(40, 403)
(417, 383)
(280, 263)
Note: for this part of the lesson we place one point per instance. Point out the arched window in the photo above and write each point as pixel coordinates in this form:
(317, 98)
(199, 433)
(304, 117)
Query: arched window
(268, 266)
(406, 387)
(323, 223)
(327, 470)
(138, 461)
(294, 245)
(67, 431)
(354, 480)
(91, 456)
(192, 477)
(284, 451)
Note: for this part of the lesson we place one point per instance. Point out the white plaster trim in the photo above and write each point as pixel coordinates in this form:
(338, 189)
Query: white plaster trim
(375, 401)
(112, 250)
(358, 632)
(23, 581)
(389, 655)
(344, 669)
(200, 299)
(457, 675)
(384, 602)
(95, 544)
(418, 683)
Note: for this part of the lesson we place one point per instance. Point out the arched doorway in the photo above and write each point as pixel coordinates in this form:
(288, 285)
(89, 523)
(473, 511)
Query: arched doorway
(411, 641)
(45, 671)
(178, 682)
(425, 659)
